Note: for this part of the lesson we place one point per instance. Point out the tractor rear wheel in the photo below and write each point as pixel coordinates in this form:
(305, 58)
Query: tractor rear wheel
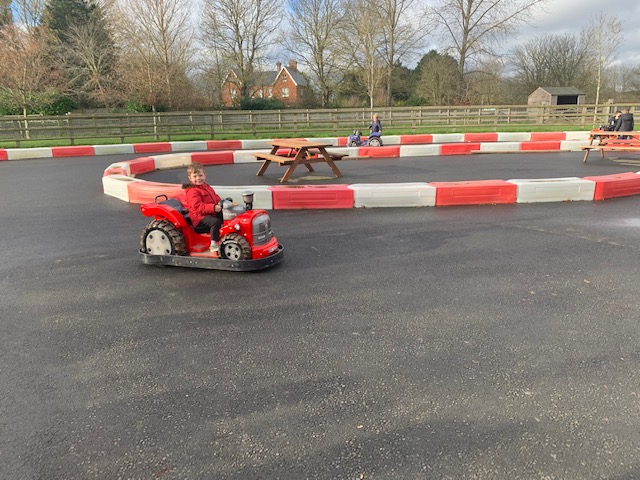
(353, 143)
(235, 247)
(375, 142)
(160, 237)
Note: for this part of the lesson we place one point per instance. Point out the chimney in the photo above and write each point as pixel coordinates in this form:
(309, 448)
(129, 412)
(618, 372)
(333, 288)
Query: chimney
(293, 65)
(278, 66)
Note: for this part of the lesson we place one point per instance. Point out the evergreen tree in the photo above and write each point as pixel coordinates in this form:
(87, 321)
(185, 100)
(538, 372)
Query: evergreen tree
(84, 47)
(60, 16)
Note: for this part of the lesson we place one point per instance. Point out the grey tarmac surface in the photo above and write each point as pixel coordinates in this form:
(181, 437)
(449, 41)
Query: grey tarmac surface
(489, 342)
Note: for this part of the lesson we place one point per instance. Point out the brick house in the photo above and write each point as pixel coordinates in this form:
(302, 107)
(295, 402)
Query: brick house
(285, 83)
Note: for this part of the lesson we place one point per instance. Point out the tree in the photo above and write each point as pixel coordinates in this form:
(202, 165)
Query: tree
(314, 41)
(401, 35)
(241, 32)
(6, 15)
(155, 37)
(29, 80)
(363, 38)
(472, 28)
(552, 60)
(604, 36)
(60, 16)
(439, 79)
(91, 60)
(29, 12)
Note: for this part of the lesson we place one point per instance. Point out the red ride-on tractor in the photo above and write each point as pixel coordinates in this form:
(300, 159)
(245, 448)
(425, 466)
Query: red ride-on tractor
(246, 238)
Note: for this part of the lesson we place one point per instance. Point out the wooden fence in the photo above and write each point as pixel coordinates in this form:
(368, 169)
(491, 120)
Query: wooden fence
(79, 129)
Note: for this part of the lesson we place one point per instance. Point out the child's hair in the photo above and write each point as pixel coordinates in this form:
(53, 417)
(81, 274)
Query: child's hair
(194, 167)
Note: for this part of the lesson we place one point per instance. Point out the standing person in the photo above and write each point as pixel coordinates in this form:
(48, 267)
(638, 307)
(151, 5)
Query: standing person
(376, 126)
(624, 123)
(202, 202)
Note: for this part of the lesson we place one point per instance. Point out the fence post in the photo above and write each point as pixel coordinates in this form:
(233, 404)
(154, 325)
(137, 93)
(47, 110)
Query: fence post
(212, 129)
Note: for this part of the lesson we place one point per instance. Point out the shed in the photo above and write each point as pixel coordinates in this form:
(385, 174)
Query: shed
(557, 96)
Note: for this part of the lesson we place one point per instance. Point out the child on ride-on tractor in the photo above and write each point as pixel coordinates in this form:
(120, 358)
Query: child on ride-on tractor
(202, 202)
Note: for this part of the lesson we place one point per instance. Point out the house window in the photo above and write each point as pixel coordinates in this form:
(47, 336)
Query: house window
(270, 92)
(284, 78)
(234, 93)
(260, 93)
(285, 92)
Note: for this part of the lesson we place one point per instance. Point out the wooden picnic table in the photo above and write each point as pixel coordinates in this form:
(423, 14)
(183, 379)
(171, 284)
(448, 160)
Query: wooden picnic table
(607, 140)
(297, 152)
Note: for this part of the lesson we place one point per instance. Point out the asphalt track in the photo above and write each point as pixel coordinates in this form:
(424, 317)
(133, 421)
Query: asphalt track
(420, 169)
(491, 342)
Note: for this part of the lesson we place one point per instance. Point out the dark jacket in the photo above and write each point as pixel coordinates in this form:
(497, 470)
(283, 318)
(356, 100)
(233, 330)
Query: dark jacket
(201, 201)
(624, 123)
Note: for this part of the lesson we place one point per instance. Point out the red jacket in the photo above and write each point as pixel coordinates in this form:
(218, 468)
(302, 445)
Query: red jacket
(201, 201)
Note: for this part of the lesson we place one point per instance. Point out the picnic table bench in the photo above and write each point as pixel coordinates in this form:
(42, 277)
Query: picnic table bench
(611, 141)
(300, 152)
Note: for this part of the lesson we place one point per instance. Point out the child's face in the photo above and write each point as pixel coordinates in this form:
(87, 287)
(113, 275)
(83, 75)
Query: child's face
(198, 177)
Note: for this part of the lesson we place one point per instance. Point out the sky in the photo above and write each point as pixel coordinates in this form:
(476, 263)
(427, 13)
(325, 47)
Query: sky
(571, 16)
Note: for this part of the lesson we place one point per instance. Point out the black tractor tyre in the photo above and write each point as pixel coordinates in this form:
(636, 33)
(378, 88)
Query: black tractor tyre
(353, 143)
(235, 247)
(160, 237)
(375, 142)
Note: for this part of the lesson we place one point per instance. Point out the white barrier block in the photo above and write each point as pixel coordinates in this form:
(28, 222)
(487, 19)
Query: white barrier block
(24, 153)
(573, 135)
(514, 136)
(390, 139)
(372, 195)
(172, 160)
(332, 141)
(351, 152)
(254, 144)
(499, 147)
(262, 196)
(117, 186)
(113, 149)
(195, 146)
(554, 189)
(243, 156)
(573, 145)
(448, 138)
(425, 150)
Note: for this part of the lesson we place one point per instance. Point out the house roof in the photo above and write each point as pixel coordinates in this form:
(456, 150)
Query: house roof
(261, 79)
(295, 75)
(559, 91)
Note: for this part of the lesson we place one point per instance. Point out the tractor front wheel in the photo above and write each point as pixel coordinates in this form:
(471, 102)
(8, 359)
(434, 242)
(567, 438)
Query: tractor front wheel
(160, 237)
(235, 247)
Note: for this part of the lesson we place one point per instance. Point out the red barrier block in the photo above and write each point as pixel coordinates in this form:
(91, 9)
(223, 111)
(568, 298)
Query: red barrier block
(476, 192)
(311, 196)
(544, 136)
(392, 151)
(79, 151)
(459, 148)
(141, 165)
(415, 139)
(212, 158)
(145, 192)
(114, 171)
(481, 137)
(342, 141)
(540, 145)
(616, 185)
(224, 144)
(156, 147)
(4, 155)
